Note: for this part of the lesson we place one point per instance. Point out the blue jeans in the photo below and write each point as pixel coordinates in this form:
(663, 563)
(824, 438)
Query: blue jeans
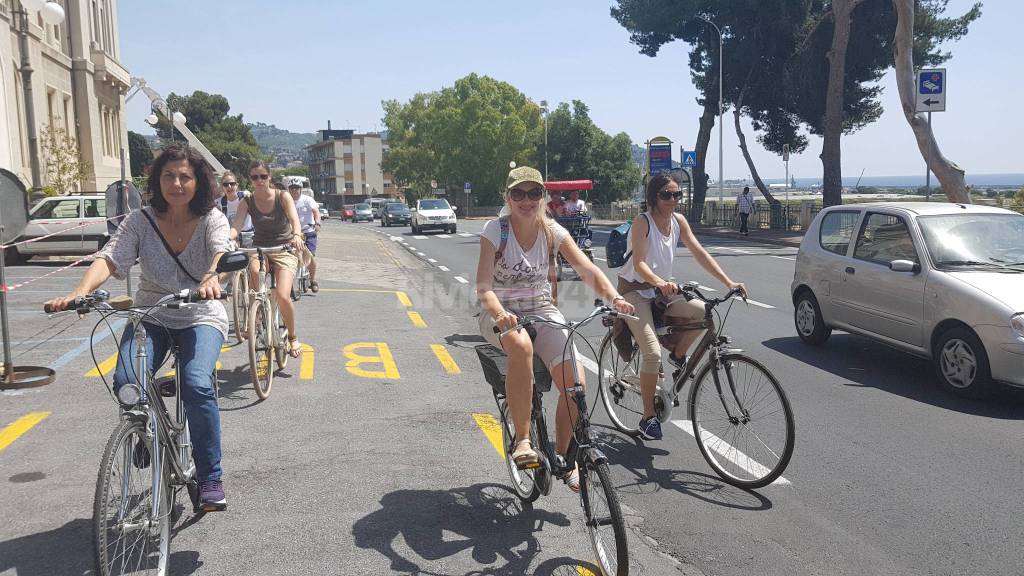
(198, 350)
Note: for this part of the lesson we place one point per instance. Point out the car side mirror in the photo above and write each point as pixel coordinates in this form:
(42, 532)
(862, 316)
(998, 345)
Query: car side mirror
(232, 261)
(455, 208)
(904, 266)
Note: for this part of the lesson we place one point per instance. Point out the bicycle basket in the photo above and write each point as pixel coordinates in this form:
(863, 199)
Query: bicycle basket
(495, 365)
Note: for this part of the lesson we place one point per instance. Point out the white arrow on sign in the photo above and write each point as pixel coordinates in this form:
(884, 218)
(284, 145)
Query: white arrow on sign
(931, 90)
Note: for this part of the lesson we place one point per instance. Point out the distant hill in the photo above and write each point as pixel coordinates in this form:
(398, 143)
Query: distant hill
(274, 140)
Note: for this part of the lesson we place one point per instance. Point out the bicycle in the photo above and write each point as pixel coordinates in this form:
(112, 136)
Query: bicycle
(266, 332)
(598, 497)
(745, 430)
(300, 283)
(240, 293)
(147, 460)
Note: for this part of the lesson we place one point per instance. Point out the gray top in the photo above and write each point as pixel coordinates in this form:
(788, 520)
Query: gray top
(160, 275)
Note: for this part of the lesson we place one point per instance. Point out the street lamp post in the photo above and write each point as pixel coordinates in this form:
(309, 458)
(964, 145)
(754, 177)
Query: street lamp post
(720, 75)
(544, 108)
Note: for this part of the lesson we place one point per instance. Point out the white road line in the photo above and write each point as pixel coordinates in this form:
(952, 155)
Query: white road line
(706, 288)
(396, 238)
(462, 280)
(733, 455)
(443, 268)
(418, 253)
(442, 236)
(735, 250)
(431, 260)
(601, 259)
(782, 257)
(587, 363)
(466, 234)
(755, 302)
(420, 237)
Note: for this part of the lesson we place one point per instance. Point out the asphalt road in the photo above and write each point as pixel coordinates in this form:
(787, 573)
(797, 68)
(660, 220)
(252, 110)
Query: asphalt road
(370, 456)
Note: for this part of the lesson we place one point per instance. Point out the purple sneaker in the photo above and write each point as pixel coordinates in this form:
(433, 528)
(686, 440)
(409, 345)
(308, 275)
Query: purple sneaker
(211, 496)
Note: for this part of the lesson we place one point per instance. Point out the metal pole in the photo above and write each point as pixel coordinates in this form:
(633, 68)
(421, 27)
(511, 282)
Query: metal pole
(927, 164)
(545, 142)
(721, 159)
(122, 210)
(30, 108)
(8, 375)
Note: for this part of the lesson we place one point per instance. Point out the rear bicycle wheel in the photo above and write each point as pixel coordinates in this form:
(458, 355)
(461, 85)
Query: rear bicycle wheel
(240, 303)
(260, 349)
(747, 432)
(603, 515)
(131, 528)
(281, 342)
(620, 386)
(524, 482)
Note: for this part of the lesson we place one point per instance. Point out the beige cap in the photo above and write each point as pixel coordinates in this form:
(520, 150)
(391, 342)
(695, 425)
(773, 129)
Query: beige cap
(517, 176)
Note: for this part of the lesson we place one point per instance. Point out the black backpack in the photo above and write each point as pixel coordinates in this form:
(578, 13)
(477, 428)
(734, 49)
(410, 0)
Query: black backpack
(618, 242)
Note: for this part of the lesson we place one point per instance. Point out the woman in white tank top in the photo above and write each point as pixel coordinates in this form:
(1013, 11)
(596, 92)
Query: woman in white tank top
(653, 239)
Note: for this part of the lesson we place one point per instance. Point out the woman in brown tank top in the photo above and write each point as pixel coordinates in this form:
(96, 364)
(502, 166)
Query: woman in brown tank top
(275, 222)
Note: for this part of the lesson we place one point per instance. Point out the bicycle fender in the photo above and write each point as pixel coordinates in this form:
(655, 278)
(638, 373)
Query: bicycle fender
(595, 456)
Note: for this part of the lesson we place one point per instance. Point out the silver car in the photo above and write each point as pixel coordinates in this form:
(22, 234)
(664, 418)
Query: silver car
(941, 281)
(68, 225)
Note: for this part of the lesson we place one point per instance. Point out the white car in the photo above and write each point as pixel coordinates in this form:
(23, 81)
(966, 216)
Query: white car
(78, 221)
(941, 281)
(433, 213)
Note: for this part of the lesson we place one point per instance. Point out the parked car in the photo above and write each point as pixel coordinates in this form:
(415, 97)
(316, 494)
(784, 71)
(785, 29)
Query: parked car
(362, 212)
(80, 223)
(433, 213)
(324, 214)
(942, 281)
(376, 205)
(347, 211)
(395, 213)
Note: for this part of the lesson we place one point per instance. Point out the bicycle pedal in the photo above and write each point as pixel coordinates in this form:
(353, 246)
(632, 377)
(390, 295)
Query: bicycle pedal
(529, 466)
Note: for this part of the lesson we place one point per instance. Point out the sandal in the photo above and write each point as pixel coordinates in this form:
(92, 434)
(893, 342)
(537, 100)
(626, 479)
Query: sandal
(572, 480)
(314, 286)
(524, 454)
(294, 348)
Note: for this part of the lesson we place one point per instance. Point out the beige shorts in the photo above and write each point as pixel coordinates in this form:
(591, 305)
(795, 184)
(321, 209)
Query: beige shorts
(643, 327)
(550, 341)
(283, 260)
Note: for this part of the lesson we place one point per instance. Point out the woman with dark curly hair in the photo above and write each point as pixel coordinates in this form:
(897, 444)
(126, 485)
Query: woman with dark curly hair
(178, 240)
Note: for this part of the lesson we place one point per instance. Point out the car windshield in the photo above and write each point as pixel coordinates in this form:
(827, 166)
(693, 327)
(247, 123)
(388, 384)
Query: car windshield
(362, 206)
(974, 240)
(397, 208)
(434, 205)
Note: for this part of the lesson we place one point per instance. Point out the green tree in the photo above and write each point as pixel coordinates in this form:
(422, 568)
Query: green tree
(468, 132)
(139, 152)
(65, 169)
(227, 137)
(293, 171)
(578, 149)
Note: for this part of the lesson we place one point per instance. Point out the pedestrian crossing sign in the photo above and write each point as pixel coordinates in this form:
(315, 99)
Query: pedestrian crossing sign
(689, 158)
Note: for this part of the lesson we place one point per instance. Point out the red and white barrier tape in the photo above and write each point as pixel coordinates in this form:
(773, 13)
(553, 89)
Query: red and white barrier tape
(12, 287)
(61, 231)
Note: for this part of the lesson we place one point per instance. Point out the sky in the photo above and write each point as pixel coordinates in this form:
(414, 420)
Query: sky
(299, 63)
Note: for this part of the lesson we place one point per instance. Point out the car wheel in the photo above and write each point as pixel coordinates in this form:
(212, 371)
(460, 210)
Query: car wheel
(452, 230)
(414, 229)
(810, 326)
(961, 363)
(12, 257)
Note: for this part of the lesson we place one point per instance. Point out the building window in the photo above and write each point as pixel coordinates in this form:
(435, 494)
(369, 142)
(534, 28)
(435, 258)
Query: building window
(67, 113)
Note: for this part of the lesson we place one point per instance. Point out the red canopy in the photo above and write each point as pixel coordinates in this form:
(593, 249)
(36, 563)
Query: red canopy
(569, 185)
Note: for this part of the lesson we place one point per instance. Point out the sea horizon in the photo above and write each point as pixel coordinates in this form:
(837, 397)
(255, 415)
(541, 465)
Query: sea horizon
(1007, 180)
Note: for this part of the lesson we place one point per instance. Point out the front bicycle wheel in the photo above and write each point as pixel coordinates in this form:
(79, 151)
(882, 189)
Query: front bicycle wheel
(240, 303)
(743, 425)
(620, 386)
(524, 482)
(603, 514)
(131, 528)
(260, 347)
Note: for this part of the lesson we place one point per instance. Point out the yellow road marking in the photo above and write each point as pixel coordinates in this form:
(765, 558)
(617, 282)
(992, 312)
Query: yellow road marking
(491, 428)
(19, 427)
(308, 361)
(417, 320)
(445, 359)
(582, 571)
(383, 357)
(105, 367)
(403, 298)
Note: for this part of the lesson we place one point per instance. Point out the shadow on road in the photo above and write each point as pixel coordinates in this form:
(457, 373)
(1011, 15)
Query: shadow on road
(64, 550)
(862, 362)
(235, 390)
(637, 459)
(487, 520)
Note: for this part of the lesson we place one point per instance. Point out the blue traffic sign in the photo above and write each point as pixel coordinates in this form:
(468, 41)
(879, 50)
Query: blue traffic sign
(468, 186)
(931, 82)
(689, 158)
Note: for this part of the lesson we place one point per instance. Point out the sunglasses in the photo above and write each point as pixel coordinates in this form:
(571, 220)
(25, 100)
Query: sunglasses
(229, 183)
(518, 195)
(667, 195)
(259, 176)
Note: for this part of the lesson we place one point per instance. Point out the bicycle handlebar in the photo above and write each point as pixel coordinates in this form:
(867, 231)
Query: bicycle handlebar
(600, 310)
(694, 291)
(267, 249)
(89, 302)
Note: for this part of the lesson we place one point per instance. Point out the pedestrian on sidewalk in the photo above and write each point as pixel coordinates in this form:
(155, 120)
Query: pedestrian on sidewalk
(745, 205)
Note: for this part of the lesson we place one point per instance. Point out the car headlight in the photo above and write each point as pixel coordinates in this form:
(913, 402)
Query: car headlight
(1017, 324)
